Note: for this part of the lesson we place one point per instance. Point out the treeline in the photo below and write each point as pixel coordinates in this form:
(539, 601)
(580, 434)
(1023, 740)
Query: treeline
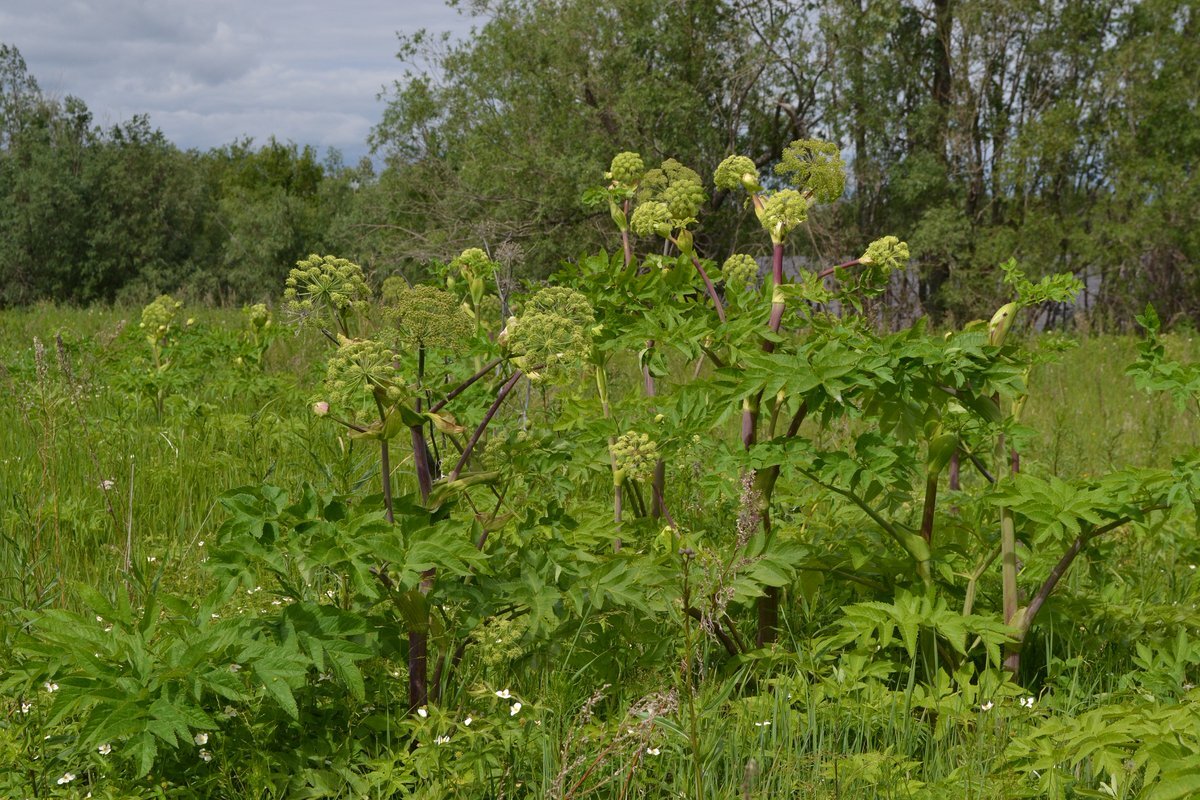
(1062, 132)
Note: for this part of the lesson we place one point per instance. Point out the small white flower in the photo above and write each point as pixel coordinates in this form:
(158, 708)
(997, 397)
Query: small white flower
(467, 722)
(1027, 702)
(151, 559)
(230, 712)
(99, 618)
(276, 602)
(442, 740)
(200, 738)
(205, 756)
(763, 724)
(215, 616)
(330, 593)
(235, 667)
(987, 706)
(653, 751)
(504, 694)
(104, 749)
(200, 543)
(516, 709)
(66, 778)
(107, 485)
(422, 712)
(26, 707)
(50, 686)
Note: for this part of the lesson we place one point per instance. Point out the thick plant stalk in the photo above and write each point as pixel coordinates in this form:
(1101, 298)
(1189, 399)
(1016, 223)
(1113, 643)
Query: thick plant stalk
(618, 492)
(487, 418)
(712, 290)
(768, 604)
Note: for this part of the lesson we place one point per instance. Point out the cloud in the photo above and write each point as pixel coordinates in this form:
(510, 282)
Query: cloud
(211, 71)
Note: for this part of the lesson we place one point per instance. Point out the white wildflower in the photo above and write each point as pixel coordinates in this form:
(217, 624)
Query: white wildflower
(66, 778)
(205, 756)
(988, 706)
(422, 712)
(104, 749)
(442, 740)
(467, 722)
(50, 687)
(515, 709)
(504, 694)
(200, 738)
(653, 751)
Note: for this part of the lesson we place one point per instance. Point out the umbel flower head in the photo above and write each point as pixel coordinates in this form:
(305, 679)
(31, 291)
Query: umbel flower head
(886, 254)
(783, 211)
(736, 172)
(426, 316)
(627, 168)
(651, 218)
(679, 187)
(552, 338)
(815, 167)
(158, 316)
(258, 316)
(474, 263)
(740, 270)
(361, 368)
(325, 284)
(634, 456)
(564, 302)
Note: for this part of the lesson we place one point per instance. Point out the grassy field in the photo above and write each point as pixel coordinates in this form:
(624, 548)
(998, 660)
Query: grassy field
(110, 474)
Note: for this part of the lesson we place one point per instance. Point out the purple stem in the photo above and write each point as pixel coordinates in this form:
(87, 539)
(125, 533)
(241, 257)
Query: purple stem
(712, 290)
(491, 412)
(462, 387)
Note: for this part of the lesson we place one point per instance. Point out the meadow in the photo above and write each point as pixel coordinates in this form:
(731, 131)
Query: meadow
(388, 541)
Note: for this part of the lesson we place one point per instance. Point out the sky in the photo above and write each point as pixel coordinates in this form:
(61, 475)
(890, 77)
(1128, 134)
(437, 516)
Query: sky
(208, 72)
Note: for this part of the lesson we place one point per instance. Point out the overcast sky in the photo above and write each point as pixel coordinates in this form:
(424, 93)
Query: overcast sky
(210, 71)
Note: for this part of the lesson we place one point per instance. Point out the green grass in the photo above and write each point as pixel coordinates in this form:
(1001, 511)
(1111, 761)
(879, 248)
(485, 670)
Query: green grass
(831, 733)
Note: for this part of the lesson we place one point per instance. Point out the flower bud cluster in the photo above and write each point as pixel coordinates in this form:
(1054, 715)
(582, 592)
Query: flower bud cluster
(553, 337)
(426, 316)
(736, 172)
(258, 317)
(325, 283)
(740, 270)
(627, 168)
(563, 301)
(158, 316)
(634, 456)
(886, 254)
(678, 188)
(783, 211)
(474, 263)
(651, 218)
(815, 167)
(361, 367)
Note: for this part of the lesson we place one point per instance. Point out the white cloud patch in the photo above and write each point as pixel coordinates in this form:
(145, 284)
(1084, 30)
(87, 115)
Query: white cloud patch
(211, 71)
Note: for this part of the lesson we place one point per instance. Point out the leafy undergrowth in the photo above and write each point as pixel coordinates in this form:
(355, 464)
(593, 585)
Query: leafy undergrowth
(662, 532)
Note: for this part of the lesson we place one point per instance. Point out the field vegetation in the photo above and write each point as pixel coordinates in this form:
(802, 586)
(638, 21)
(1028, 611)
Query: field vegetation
(662, 526)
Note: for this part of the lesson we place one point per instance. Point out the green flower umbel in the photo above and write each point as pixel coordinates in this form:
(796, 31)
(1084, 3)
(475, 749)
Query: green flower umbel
(361, 368)
(737, 172)
(634, 456)
(552, 338)
(426, 316)
(157, 318)
(814, 167)
(627, 168)
(677, 186)
(564, 302)
(258, 317)
(740, 271)
(651, 218)
(886, 254)
(783, 211)
(322, 285)
(474, 263)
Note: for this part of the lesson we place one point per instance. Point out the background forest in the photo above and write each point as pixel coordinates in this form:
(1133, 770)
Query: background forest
(1064, 133)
